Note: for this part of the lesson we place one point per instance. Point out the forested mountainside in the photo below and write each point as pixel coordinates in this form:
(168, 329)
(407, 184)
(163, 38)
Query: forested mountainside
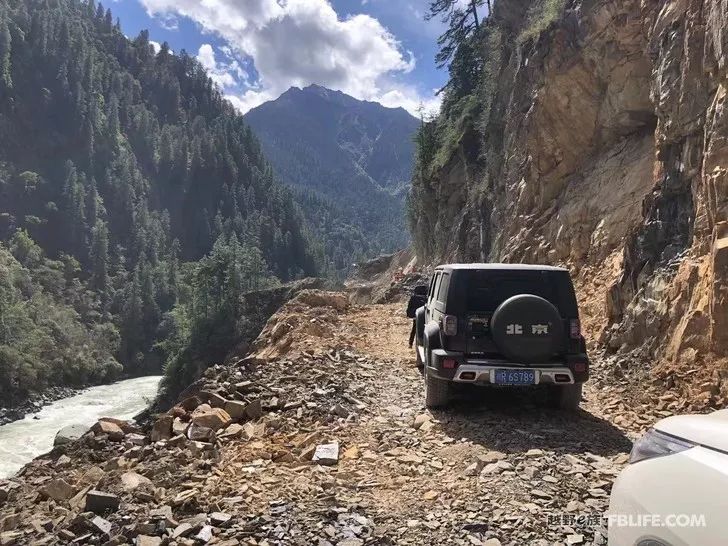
(145, 198)
(595, 135)
(354, 155)
(48, 325)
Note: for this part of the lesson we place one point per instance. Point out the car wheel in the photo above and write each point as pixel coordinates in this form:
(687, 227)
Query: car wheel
(437, 391)
(565, 397)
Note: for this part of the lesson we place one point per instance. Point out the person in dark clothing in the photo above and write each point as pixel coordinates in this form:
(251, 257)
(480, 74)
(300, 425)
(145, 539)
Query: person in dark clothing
(417, 300)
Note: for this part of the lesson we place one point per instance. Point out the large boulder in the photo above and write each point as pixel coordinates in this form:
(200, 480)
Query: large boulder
(129, 427)
(112, 430)
(213, 418)
(179, 427)
(213, 398)
(322, 298)
(235, 409)
(69, 434)
(198, 433)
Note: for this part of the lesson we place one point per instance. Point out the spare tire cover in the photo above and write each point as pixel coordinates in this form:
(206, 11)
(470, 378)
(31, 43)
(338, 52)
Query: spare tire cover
(527, 328)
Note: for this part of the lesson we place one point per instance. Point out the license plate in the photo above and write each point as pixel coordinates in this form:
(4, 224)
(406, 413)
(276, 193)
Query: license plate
(515, 377)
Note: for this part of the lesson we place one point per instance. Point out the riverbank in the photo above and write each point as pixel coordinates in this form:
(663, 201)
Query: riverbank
(36, 402)
(21, 441)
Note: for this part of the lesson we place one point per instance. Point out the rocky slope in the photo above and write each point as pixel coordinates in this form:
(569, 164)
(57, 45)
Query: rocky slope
(319, 436)
(602, 145)
(386, 279)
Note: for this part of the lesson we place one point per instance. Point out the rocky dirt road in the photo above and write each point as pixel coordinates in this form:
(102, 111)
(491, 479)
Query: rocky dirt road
(326, 441)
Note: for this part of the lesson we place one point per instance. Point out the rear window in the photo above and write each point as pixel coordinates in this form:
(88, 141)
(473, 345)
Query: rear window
(444, 285)
(435, 285)
(485, 290)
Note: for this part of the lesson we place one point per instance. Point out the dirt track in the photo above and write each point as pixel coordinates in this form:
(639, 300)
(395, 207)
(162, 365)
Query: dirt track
(495, 466)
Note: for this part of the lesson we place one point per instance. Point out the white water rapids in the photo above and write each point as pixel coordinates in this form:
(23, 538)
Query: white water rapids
(22, 441)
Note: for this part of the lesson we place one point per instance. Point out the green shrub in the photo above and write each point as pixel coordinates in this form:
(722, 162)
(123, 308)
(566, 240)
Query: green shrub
(541, 15)
(43, 341)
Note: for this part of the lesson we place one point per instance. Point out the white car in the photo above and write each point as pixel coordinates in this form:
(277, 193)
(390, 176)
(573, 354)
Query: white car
(675, 490)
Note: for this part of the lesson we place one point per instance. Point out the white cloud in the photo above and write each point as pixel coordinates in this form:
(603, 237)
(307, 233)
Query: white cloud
(409, 99)
(225, 75)
(169, 22)
(297, 43)
(250, 99)
(156, 46)
(206, 56)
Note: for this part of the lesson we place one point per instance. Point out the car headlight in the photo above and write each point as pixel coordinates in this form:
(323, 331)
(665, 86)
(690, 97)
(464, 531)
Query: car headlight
(657, 444)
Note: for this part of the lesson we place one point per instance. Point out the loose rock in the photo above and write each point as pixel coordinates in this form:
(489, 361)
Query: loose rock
(327, 454)
(58, 490)
(213, 418)
(99, 502)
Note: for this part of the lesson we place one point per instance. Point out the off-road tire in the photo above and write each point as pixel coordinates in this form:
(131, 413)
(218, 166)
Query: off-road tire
(437, 392)
(565, 397)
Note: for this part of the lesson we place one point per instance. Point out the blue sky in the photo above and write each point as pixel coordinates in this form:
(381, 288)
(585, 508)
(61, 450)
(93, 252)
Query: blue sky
(381, 50)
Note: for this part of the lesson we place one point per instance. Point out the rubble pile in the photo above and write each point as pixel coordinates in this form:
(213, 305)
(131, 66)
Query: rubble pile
(310, 318)
(387, 279)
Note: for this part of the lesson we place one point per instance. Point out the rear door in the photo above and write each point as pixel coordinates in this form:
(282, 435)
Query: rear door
(485, 290)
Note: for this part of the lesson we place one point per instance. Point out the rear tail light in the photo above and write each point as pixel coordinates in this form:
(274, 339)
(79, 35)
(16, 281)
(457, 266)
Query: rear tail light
(580, 367)
(449, 363)
(449, 325)
(575, 329)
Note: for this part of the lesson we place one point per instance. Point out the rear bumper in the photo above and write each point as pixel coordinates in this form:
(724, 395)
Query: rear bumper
(469, 369)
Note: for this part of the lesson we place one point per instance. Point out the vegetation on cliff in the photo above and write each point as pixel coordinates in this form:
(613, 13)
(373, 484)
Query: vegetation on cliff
(466, 140)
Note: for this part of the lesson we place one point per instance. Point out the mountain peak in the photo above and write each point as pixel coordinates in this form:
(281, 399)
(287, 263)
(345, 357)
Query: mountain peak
(334, 96)
(355, 154)
(316, 90)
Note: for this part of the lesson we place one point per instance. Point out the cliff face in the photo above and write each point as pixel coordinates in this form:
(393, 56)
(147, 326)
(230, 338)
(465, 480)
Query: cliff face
(602, 146)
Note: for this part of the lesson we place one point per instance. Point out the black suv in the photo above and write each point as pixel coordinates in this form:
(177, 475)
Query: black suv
(501, 324)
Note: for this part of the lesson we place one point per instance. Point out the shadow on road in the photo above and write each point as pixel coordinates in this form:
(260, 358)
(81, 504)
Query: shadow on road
(513, 421)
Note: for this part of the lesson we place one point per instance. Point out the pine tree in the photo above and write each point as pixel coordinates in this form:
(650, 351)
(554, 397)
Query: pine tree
(112, 117)
(94, 204)
(461, 21)
(74, 207)
(6, 79)
(151, 313)
(132, 321)
(99, 258)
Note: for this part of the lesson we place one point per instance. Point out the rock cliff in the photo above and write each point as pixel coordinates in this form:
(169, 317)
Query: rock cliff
(600, 143)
